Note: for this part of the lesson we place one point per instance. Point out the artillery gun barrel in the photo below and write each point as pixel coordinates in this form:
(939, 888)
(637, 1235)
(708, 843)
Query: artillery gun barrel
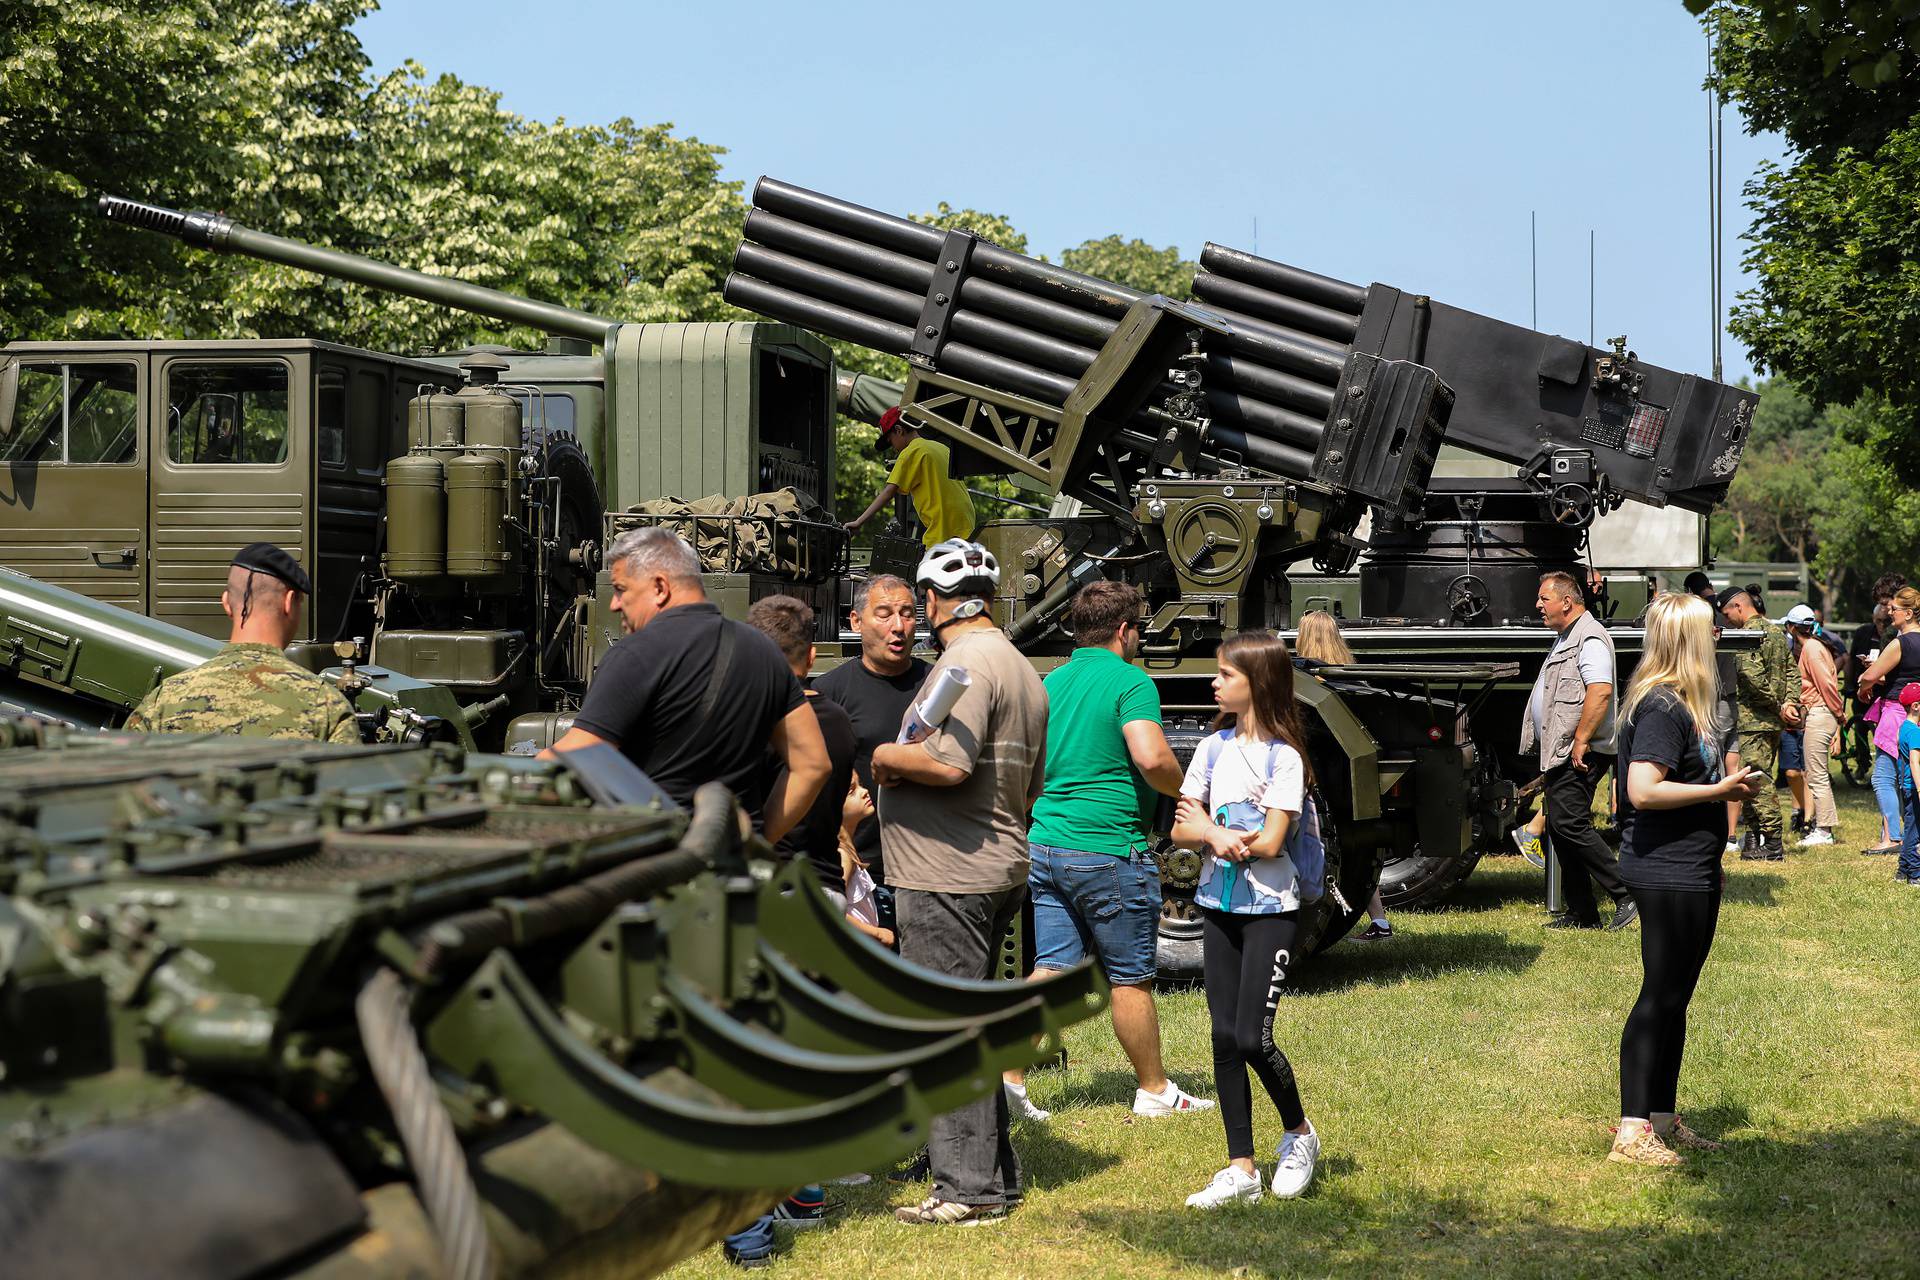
(223, 235)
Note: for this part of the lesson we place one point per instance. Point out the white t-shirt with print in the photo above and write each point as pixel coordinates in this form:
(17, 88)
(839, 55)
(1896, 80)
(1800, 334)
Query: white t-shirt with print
(1239, 780)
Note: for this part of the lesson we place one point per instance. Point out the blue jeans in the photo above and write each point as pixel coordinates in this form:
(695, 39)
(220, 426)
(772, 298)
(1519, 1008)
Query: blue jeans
(1886, 792)
(1094, 902)
(1910, 844)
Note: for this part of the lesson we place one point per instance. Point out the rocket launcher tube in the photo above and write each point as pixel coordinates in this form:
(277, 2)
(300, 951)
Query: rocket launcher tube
(1658, 435)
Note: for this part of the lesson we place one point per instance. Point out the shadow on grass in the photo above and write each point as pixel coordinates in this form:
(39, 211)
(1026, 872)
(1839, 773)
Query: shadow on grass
(1115, 1087)
(1494, 886)
(1753, 887)
(1048, 1159)
(1830, 1204)
(1415, 955)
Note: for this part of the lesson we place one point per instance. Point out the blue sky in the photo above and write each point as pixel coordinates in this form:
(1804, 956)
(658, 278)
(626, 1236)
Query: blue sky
(1399, 142)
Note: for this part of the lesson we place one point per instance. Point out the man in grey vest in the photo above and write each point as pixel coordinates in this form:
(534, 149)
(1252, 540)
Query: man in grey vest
(1569, 721)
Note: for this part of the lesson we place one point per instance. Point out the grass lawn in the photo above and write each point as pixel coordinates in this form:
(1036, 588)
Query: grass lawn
(1463, 1078)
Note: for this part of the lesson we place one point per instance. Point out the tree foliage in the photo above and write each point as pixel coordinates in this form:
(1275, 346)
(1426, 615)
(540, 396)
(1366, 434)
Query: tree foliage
(1836, 234)
(266, 110)
(1134, 263)
(1814, 487)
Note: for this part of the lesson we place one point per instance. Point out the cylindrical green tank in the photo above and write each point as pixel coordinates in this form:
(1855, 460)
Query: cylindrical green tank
(492, 419)
(493, 423)
(436, 420)
(477, 515)
(416, 518)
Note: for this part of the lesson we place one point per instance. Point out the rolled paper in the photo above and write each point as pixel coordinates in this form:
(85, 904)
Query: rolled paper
(933, 709)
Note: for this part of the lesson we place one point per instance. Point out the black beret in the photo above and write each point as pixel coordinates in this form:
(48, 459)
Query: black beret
(264, 557)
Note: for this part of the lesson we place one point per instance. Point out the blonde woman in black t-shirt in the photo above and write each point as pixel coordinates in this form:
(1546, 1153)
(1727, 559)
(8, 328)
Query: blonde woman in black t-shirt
(1671, 796)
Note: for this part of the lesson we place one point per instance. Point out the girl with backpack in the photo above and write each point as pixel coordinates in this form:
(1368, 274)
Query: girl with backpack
(1245, 804)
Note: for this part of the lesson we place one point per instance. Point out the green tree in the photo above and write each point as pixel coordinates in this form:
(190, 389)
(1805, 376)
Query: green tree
(1814, 488)
(1134, 263)
(266, 110)
(229, 105)
(1836, 234)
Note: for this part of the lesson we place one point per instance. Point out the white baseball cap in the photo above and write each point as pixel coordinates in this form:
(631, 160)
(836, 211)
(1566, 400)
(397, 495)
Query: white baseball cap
(1799, 616)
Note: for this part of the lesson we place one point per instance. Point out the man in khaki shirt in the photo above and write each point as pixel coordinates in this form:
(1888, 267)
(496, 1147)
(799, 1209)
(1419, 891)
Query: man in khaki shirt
(953, 828)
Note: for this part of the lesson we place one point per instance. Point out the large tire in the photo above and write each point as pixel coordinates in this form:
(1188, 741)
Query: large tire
(1419, 881)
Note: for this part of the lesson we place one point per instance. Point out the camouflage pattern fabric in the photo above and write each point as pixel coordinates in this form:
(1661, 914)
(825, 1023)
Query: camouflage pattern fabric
(1766, 680)
(1760, 749)
(253, 690)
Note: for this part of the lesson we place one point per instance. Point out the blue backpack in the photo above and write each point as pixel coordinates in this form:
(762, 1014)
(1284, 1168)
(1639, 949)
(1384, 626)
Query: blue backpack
(1304, 847)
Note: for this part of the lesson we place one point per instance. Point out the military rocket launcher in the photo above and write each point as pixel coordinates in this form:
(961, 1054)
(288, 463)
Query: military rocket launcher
(1104, 385)
(285, 1008)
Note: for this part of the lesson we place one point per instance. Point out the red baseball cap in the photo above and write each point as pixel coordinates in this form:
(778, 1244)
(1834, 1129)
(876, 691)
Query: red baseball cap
(1910, 694)
(888, 421)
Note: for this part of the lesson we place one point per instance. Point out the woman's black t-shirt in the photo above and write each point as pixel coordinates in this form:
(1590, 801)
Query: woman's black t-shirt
(1669, 848)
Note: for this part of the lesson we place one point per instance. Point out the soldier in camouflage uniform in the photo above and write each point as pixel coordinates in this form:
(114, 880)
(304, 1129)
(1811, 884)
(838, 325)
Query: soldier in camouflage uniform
(1767, 691)
(251, 687)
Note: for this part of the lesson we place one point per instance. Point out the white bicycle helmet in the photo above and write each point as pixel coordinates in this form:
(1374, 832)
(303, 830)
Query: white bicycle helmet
(957, 567)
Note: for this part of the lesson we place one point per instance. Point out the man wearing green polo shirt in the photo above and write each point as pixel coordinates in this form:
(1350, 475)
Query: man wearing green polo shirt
(1094, 882)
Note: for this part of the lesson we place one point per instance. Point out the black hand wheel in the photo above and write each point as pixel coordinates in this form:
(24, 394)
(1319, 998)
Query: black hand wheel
(1571, 504)
(1468, 597)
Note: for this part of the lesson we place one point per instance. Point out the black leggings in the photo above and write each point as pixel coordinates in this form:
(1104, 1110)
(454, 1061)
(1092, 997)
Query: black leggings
(1246, 960)
(1676, 932)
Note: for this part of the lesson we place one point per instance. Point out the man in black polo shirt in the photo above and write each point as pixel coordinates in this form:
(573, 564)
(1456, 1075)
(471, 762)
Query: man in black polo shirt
(788, 622)
(876, 692)
(692, 697)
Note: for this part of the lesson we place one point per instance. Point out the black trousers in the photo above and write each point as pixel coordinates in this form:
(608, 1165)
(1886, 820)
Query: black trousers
(1676, 932)
(1584, 857)
(1245, 960)
(958, 934)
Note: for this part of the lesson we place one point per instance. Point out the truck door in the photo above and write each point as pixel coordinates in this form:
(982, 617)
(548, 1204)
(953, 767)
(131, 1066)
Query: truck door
(73, 488)
(231, 461)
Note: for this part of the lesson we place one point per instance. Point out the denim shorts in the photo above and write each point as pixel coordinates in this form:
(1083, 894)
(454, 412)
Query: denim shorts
(1793, 751)
(1095, 903)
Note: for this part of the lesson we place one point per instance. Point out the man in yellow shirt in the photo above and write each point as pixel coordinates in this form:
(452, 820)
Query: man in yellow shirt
(923, 471)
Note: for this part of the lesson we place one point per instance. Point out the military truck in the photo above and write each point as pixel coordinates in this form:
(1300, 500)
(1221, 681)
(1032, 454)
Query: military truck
(451, 509)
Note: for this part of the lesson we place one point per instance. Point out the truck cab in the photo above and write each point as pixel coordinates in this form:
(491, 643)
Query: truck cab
(132, 471)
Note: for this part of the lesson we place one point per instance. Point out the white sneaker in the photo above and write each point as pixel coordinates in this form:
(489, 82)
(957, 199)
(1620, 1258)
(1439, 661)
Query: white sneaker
(1174, 1101)
(1299, 1153)
(1229, 1186)
(1733, 848)
(1021, 1105)
(1817, 836)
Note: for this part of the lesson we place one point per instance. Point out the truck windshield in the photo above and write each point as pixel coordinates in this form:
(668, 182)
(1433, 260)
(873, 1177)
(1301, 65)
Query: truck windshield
(73, 413)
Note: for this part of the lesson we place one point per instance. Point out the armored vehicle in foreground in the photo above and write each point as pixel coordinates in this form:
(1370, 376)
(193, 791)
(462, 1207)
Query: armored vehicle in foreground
(291, 1009)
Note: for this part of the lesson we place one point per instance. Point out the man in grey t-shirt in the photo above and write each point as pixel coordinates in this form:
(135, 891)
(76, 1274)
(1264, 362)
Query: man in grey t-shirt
(953, 828)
